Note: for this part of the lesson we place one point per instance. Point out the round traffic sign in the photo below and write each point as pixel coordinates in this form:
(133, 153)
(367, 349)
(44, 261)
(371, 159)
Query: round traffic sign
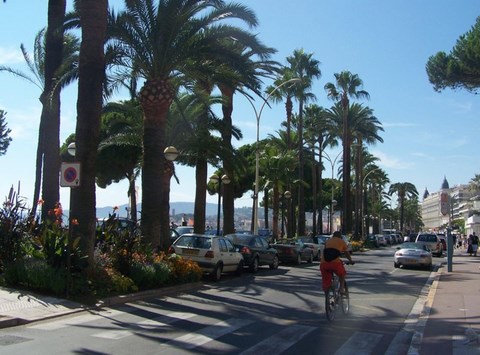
(70, 174)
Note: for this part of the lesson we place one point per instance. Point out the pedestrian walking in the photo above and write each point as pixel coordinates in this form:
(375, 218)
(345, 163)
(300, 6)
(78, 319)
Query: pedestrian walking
(474, 244)
(469, 244)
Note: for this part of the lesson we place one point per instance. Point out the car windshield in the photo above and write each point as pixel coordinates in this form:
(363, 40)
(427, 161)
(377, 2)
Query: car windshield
(194, 241)
(239, 238)
(427, 238)
(412, 246)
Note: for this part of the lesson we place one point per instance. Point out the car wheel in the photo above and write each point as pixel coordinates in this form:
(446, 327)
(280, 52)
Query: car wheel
(274, 264)
(430, 267)
(217, 272)
(310, 258)
(396, 265)
(254, 266)
(299, 259)
(240, 267)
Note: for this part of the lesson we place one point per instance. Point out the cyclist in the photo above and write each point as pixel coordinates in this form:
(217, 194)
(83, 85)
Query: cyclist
(331, 262)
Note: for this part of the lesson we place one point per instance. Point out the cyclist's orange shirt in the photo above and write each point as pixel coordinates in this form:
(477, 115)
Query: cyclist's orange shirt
(337, 243)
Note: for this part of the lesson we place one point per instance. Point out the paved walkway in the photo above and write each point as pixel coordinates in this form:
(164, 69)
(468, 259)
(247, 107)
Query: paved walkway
(449, 322)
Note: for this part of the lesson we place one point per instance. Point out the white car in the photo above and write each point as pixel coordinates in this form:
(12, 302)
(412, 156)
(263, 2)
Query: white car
(214, 254)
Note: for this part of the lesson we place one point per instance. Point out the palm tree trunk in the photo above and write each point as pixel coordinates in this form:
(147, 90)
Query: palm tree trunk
(301, 189)
(50, 119)
(201, 171)
(228, 189)
(93, 20)
(276, 208)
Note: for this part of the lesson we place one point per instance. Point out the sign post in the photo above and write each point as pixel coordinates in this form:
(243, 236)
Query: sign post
(445, 209)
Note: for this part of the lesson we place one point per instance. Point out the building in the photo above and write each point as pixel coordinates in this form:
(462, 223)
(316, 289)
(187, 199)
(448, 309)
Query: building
(463, 203)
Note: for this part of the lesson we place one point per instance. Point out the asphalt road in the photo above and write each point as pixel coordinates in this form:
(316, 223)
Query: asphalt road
(272, 312)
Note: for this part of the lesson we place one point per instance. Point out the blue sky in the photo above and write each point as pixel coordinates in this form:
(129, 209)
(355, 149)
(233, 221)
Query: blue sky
(427, 136)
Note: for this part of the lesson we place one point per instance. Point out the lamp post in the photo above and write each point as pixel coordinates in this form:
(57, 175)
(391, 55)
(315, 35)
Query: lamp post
(286, 195)
(219, 180)
(332, 164)
(258, 114)
(361, 212)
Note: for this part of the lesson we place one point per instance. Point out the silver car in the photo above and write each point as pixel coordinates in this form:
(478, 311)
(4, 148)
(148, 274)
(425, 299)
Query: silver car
(413, 254)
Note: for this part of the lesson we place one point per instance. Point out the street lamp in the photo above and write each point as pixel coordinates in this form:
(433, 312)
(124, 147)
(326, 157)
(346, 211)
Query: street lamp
(170, 153)
(217, 180)
(362, 207)
(332, 163)
(258, 114)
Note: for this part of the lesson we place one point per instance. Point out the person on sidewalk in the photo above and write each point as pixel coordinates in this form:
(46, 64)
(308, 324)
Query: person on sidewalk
(469, 244)
(474, 244)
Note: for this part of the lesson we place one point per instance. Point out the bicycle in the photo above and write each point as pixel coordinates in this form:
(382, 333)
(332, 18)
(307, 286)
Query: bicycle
(333, 298)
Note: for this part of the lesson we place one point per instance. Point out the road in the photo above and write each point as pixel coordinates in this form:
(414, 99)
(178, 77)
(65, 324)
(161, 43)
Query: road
(272, 312)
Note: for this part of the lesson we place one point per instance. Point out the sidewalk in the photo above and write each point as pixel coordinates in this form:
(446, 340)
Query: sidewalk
(453, 320)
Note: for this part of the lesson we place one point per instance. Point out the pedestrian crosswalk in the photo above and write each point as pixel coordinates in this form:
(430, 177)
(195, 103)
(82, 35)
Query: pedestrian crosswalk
(178, 332)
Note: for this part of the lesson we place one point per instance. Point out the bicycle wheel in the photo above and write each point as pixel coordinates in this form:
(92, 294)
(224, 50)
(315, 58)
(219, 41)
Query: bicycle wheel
(331, 299)
(345, 300)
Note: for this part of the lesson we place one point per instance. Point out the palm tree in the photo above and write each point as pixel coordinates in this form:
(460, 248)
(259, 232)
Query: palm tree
(319, 134)
(120, 149)
(364, 127)
(161, 42)
(47, 156)
(304, 67)
(234, 77)
(404, 190)
(346, 86)
(91, 74)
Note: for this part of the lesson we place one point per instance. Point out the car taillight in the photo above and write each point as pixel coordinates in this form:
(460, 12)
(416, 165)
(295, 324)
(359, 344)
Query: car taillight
(209, 254)
(171, 250)
(245, 250)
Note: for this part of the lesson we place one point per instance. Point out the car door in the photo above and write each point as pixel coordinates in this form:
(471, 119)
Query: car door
(266, 257)
(228, 254)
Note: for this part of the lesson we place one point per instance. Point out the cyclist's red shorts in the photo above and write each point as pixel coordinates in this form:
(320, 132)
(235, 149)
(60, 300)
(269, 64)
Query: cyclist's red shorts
(327, 268)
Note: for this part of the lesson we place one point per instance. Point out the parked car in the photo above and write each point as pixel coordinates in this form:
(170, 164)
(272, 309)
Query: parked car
(266, 233)
(413, 254)
(410, 238)
(431, 241)
(256, 251)
(317, 251)
(371, 241)
(382, 241)
(114, 226)
(181, 230)
(293, 251)
(213, 254)
(443, 240)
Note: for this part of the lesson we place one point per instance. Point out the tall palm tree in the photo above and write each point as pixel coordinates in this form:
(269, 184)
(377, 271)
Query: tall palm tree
(364, 128)
(403, 190)
(306, 68)
(50, 116)
(319, 134)
(171, 39)
(239, 76)
(346, 86)
(91, 74)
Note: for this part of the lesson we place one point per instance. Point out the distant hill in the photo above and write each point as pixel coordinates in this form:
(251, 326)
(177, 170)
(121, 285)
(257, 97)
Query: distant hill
(176, 208)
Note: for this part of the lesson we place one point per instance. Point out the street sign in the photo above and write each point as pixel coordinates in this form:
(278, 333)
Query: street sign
(444, 203)
(70, 175)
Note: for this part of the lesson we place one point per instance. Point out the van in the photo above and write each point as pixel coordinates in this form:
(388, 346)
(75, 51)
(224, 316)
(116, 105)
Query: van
(431, 241)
